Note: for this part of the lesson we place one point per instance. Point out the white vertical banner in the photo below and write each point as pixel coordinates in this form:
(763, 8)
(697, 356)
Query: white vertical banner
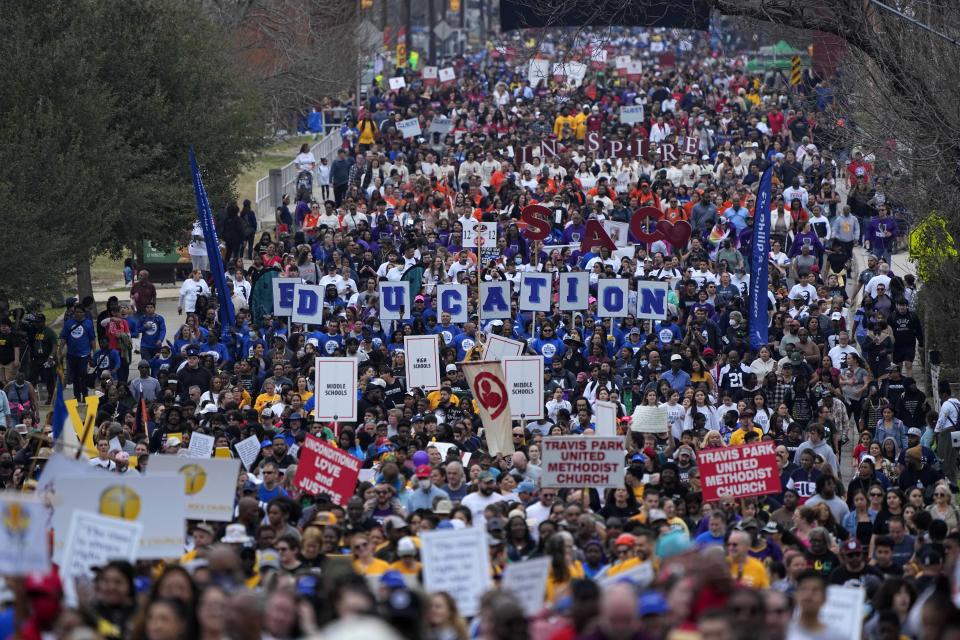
(613, 297)
(538, 71)
(495, 300)
(394, 300)
(527, 581)
(308, 303)
(457, 561)
(605, 419)
(283, 295)
(574, 291)
(651, 300)
(452, 298)
(489, 388)
(525, 385)
(536, 291)
(335, 389)
(422, 357)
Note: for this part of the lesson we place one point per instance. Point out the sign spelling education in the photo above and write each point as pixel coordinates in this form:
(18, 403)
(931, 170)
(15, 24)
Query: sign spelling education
(326, 469)
(588, 461)
(738, 472)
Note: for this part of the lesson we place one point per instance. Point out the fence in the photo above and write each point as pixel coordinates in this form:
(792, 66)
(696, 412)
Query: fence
(272, 187)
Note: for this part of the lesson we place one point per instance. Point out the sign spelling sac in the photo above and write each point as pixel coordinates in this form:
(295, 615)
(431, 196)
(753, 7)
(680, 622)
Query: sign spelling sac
(738, 472)
(326, 469)
(586, 461)
(646, 226)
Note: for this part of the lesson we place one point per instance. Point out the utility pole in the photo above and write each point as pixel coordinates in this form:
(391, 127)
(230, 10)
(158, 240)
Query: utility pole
(432, 17)
(463, 22)
(408, 21)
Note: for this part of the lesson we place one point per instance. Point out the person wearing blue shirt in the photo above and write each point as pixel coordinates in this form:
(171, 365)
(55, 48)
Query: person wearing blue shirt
(466, 340)
(153, 329)
(79, 336)
(667, 332)
(447, 330)
(548, 344)
(677, 377)
(105, 359)
(218, 349)
(161, 361)
(737, 215)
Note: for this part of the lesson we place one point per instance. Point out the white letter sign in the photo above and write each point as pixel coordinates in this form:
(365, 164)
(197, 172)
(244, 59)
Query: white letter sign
(495, 300)
(612, 297)
(535, 291)
(336, 389)
(452, 299)
(308, 303)
(651, 300)
(394, 300)
(574, 291)
(525, 385)
(457, 561)
(409, 128)
(422, 362)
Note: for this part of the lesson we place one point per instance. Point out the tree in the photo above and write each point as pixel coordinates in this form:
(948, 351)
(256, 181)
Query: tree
(96, 117)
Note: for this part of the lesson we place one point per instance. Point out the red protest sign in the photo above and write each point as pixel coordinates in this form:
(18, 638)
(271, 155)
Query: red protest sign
(738, 472)
(323, 468)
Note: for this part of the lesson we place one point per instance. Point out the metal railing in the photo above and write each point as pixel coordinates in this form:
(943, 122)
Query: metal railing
(268, 200)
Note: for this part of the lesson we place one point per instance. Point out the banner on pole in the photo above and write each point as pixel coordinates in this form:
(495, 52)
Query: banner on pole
(585, 461)
(335, 389)
(739, 472)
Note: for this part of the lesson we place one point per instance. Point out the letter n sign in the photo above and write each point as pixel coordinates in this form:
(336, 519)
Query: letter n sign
(535, 291)
(651, 300)
(612, 297)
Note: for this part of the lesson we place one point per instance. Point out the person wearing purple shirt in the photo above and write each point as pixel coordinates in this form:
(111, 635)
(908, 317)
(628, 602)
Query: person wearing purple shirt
(806, 236)
(881, 234)
(574, 232)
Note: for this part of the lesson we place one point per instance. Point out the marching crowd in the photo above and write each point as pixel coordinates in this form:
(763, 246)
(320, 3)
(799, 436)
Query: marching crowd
(867, 495)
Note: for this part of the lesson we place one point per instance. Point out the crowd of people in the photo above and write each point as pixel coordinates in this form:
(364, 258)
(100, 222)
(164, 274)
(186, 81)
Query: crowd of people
(867, 467)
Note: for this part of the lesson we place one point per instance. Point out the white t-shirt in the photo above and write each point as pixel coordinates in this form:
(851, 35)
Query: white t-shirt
(305, 161)
(477, 502)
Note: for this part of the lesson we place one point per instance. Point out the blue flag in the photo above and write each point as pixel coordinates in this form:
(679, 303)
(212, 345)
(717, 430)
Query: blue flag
(213, 246)
(759, 266)
(60, 415)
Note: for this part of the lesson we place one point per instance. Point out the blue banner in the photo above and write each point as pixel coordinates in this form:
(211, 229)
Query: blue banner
(213, 247)
(60, 415)
(759, 265)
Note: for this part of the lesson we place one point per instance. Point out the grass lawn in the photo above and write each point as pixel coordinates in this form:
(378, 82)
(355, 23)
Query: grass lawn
(273, 157)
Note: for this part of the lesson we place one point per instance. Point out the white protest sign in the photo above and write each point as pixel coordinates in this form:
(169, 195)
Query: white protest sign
(93, 541)
(308, 303)
(649, 419)
(452, 299)
(476, 233)
(397, 83)
(598, 55)
(248, 449)
(631, 114)
(441, 125)
(538, 71)
(622, 62)
(497, 348)
(283, 295)
(842, 613)
(652, 300)
(536, 291)
(605, 419)
(575, 73)
(149, 500)
(394, 300)
(335, 389)
(447, 74)
(201, 445)
(457, 561)
(524, 376)
(442, 447)
(429, 75)
(619, 232)
(613, 297)
(634, 70)
(208, 485)
(409, 128)
(23, 533)
(574, 294)
(586, 461)
(527, 581)
(422, 362)
(495, 300)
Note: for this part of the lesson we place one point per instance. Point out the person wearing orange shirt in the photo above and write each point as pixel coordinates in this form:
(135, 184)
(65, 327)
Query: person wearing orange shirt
(647, 197)
(674, 212)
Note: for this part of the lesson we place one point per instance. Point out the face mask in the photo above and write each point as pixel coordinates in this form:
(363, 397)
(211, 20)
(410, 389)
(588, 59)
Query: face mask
(424, 484)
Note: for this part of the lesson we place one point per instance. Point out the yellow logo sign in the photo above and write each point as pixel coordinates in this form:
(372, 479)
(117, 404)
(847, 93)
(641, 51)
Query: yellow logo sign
(194, 478)
(16, 519)
(120, 502)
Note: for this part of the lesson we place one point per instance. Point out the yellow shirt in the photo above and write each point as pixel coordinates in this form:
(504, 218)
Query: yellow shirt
(367, 131)
(401, 566)
(620, 567)
(751, 574)
(264, 399)
(737, 437)
(554, 587)
(580, 125)
(376, 567)
(559, 123)
(434, 399)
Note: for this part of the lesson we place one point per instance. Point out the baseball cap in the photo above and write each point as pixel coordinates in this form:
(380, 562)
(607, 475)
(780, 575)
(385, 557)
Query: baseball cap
(406, 547)
(656, 515)
(451, 367)
(392, 579)
(173, 442)
(625, 539)
(836, 316)
(676, 358)
(913, 431)
(423, 471)
(709, 353)
(526, 487)
(266, 443)
(485, 476)
(852, 545)
(652, 603)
